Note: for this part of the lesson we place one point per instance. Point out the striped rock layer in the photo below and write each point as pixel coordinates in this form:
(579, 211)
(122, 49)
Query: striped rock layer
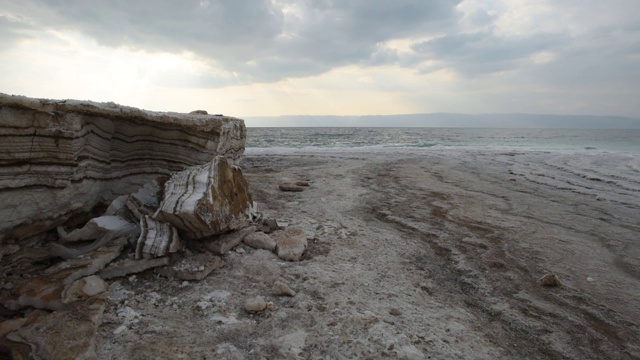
(206, 200)
(59, 158)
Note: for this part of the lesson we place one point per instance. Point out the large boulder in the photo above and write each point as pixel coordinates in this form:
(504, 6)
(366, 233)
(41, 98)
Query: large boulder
(207, 200)
(59, 158)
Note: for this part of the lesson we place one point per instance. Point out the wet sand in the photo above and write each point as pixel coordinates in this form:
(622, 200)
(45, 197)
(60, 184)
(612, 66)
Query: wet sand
(416, 254)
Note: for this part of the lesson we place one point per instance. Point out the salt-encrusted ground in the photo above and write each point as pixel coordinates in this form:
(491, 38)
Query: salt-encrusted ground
(412, 254)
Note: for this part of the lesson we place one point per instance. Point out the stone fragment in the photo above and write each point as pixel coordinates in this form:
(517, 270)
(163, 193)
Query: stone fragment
(550, 280)
(46, 290)
(84, 288)
(260, 240)
(157, 239)
(39, 292)
(88, 264)
(395, 312)
(195, 267)
(206, 200)
(290, 187)
(130, 266)
(96, 228)
(255, 304)
(58, 335)
(145, 201)
(199, 112)
(281, 289)
(223, 243)
(270, 225)
(291, 243)
(68, 156)
(118, 206)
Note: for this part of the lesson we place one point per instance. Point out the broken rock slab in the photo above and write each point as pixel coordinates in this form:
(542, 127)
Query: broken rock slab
(207, 200)
(291, 243)
(223, 243)
(68, 156)
(46, 290)
(157, 239)
(130, 266)
(58, 335)
(195, 267)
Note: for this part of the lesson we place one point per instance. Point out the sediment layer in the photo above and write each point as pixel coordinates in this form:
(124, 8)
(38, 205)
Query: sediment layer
(58, 158)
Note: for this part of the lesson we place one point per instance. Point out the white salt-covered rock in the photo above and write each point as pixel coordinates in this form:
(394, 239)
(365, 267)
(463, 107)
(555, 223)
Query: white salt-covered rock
(206, 200)
(67, 156)
(290, 243)
(260, 240)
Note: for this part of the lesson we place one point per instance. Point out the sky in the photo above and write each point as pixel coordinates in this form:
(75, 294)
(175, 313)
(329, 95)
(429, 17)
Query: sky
(322, 57)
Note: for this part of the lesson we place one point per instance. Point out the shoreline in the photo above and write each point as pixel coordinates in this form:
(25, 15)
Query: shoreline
(414, 255)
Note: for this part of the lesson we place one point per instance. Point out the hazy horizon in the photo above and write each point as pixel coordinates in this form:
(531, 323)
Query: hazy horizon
(452, 120)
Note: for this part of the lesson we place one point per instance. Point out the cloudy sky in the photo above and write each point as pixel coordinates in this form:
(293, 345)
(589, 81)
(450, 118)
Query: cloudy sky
(317, 57)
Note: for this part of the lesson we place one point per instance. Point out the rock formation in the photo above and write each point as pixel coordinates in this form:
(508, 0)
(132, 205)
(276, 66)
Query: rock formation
(59, 158)
(206, 200)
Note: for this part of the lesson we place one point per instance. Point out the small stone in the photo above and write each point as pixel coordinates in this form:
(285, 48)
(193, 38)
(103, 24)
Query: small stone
(302, 183)
(550, 280)
(281, 289)
(255, 304)
(395, 312)
(290, 187)
(260, 240)
(291, 243)
(199, 112)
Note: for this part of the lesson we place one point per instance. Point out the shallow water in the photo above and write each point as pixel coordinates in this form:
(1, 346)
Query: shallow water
(594, 140)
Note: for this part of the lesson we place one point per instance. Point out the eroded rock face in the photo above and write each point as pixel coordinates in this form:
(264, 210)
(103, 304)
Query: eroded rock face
(206, 200)
(58, 158)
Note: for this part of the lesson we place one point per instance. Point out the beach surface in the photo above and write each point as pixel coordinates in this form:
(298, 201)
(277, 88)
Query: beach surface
(412, 254)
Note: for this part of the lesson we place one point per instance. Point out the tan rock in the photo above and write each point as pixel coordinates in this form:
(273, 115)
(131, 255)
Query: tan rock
(255, 304)
(290, 243)
(260, 240)
(59, 335)
(84, 288)
(223, 243)
(282, 289)
(550, 280)
(290, 187)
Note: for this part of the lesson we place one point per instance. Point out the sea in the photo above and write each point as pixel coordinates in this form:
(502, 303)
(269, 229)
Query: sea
(589, 140)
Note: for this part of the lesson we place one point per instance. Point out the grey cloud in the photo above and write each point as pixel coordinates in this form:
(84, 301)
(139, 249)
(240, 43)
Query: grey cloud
(254, 38)
(485, 52)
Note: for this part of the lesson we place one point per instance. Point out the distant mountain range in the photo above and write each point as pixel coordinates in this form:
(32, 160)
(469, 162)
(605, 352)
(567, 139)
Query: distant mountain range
(449, 120)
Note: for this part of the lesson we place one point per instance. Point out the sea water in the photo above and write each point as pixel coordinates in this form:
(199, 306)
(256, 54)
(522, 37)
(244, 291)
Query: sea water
(594, 140)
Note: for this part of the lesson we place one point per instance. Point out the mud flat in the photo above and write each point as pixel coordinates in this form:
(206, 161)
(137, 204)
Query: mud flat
(411, 254)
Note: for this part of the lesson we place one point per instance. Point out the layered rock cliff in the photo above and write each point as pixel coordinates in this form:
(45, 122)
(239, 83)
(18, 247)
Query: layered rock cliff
(60, 158)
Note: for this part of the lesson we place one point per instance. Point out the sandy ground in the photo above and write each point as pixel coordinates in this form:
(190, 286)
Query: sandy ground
(416, 255)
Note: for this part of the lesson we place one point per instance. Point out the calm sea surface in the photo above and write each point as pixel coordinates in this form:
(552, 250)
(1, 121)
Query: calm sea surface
(523, 139)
